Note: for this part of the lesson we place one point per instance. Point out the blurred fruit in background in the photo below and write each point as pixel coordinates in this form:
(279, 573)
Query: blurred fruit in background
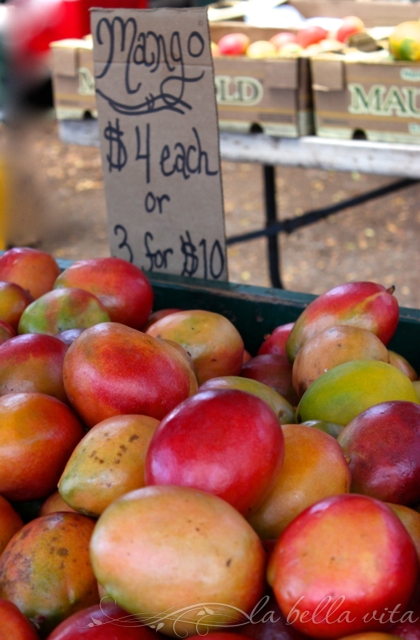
(233, 44)
(282, 38)
(404, 42)
(310, 35)
(261, 49)
(349, 26)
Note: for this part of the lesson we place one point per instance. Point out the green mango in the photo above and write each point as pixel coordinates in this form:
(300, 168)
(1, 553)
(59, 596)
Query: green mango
(341, 393)
(281, 407)
(62, 309)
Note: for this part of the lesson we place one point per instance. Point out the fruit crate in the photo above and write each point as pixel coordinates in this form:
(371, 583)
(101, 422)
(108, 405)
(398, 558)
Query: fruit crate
(256, 311)
(366, 95)
(275, 96)
(272, 96)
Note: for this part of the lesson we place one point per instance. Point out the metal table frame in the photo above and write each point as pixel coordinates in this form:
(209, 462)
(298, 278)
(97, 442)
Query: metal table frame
(309, 152)
(397, 160)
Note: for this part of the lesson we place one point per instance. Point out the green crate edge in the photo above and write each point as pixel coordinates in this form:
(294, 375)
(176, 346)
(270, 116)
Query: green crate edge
(256, 311)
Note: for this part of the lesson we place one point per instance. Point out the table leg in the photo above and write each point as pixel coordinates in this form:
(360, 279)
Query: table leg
(273, 251)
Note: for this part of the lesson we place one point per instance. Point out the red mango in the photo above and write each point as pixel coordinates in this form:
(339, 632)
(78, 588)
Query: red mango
(14, 624)
(124, 290)
(276, 341)
(367, 305)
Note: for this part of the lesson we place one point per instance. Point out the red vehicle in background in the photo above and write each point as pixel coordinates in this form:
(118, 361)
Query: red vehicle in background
(36, 23)
(29, 26)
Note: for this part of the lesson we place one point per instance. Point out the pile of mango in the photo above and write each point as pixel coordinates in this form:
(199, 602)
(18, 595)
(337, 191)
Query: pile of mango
(158, 479)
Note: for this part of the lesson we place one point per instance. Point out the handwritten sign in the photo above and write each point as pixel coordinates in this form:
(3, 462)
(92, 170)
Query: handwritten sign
(159, 140)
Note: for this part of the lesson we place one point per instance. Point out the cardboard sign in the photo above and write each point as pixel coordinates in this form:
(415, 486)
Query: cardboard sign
(159, 140)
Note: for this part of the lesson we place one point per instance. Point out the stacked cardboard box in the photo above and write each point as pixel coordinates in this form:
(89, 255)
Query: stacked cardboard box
(366, 96)
(344, 98)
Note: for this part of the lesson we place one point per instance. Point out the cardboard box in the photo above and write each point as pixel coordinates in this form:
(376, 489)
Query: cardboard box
(73, 79)
(267, 96)
(273, 96)
(366, 96)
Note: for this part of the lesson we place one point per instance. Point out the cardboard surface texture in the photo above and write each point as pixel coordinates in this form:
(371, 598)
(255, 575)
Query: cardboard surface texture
(159, 140)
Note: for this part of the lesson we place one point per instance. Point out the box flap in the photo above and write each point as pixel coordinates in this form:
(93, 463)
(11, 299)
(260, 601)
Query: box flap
(327, 75)
(282, 74)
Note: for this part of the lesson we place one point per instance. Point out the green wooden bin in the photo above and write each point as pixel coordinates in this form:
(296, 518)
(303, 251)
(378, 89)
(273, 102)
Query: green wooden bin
(256, 311)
